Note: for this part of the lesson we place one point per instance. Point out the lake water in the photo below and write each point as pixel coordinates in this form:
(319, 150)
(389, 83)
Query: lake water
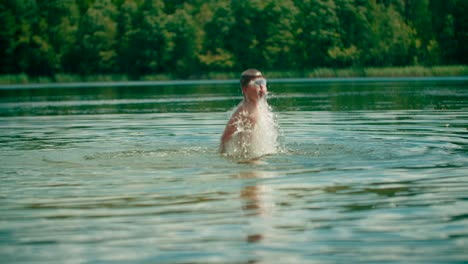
(368, 172)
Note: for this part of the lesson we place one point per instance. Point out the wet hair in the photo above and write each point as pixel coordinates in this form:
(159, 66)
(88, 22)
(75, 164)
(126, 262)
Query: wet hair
(248, 75)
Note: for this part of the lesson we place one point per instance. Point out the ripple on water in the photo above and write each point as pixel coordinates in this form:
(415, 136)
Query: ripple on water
(346, 186)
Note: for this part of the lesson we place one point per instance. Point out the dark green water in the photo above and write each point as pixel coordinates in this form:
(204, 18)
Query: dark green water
(370, 172)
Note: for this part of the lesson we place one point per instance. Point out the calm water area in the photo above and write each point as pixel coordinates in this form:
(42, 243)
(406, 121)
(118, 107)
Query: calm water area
(368, 172)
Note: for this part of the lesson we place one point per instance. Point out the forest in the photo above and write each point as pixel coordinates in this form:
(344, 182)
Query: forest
(187, 38)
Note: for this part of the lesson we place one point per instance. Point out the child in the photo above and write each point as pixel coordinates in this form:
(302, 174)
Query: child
(251, 130)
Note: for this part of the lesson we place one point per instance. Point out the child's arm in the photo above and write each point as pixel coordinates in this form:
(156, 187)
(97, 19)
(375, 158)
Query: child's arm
(228, 132)
(230, 129)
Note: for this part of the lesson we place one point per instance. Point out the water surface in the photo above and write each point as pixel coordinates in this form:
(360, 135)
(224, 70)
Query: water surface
(368, 172)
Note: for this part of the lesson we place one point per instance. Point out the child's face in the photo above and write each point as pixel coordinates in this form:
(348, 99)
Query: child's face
(256, 89)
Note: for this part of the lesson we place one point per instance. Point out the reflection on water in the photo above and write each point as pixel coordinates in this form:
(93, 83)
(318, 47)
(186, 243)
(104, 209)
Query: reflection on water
(256, 203)
(329, 96)
(368, 173)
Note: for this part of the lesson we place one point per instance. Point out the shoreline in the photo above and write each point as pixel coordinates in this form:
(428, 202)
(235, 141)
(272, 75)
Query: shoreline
(316, 75)
(229, 81)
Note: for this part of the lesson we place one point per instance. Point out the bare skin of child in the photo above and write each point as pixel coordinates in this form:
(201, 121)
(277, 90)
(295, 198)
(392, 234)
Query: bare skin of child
(254, 89)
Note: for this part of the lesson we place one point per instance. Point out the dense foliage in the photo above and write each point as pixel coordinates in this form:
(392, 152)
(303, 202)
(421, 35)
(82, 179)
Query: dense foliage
(187, 38)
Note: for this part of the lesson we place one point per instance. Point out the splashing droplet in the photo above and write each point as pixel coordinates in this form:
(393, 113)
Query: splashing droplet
(254, 138)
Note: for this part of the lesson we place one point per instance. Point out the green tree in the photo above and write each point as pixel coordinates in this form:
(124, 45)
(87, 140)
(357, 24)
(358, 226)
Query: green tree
(185, 43)
(262, 34)
(127, 55)
(461, 31)
(187, 37)
(63, 18)
(149, 42)
(318, 31)
(8, 41)
(280, 38)
(246, 34)
(418, 16)
(390, 39)
(214, 54)
(95, 50)
(27, 48)
(443, 22)
(354, 31)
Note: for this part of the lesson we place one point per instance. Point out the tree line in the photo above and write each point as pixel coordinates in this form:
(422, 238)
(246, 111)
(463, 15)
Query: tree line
(187, 38)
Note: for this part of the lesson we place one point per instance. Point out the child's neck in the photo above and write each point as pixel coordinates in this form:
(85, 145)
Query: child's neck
(251, 104)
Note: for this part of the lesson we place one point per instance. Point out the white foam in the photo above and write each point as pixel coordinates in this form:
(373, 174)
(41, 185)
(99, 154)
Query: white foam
(251, 141)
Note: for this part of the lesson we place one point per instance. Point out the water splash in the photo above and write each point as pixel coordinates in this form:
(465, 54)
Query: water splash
(252, 140)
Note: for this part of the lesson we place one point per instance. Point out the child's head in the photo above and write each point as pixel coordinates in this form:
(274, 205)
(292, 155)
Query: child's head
(249, 75)
(253, 85)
